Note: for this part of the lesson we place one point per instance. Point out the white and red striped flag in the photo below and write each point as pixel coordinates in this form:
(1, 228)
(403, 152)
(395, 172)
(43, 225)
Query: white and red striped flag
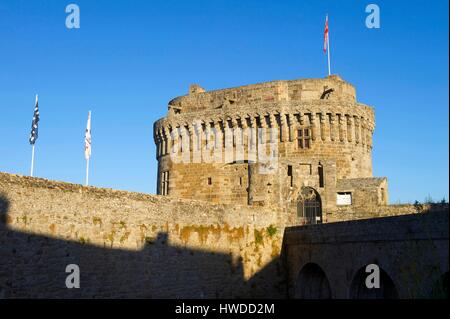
(325, 37)
(326, 44)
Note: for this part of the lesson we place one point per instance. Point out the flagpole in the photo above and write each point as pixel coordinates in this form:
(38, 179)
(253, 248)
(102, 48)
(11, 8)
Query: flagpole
(32, 161)
(328, 47)
(87, 172)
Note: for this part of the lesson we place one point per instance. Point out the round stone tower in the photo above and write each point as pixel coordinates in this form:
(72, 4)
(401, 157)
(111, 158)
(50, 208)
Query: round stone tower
(214, 145)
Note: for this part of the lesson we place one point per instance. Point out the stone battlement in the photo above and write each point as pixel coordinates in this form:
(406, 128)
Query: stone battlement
(332, 88)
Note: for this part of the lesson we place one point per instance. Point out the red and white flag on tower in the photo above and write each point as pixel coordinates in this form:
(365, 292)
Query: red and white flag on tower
(325, 37)
(326, 44)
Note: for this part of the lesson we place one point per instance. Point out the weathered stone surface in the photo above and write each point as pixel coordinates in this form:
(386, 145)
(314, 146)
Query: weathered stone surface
(132, 245)
(412, 251)
(340, 142)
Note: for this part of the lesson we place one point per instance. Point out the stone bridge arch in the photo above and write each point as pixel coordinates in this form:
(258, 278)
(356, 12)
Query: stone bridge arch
(312, 283)
(359, 290)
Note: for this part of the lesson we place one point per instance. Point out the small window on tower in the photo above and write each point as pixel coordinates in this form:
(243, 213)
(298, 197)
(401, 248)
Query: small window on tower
(209, 181)
(165, 183)
(290, 175)
(320, 172)
(303, 137)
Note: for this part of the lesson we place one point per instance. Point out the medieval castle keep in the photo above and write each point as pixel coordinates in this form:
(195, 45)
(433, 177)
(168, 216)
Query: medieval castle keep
(302, 146)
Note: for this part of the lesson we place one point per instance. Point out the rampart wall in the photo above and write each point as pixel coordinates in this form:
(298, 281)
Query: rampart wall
(132, 245)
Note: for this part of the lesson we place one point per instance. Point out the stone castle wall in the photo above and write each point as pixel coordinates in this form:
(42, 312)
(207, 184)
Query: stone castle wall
(132, 245)
(146, 246)
(361, 212)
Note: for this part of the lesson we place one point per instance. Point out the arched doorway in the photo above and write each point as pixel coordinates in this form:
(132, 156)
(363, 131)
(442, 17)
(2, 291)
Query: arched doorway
(312, 283)
(309, 206)
(359, 290)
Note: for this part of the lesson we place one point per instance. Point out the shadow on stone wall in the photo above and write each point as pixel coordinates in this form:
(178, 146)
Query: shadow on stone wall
(34, 266)
(431, 207)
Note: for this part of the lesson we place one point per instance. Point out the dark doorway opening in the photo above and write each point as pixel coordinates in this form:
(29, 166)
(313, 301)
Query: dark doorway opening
(309, 206)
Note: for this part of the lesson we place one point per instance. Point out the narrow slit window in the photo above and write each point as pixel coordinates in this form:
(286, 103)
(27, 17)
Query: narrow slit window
(321, 177)
(290, 175)
(165, 183)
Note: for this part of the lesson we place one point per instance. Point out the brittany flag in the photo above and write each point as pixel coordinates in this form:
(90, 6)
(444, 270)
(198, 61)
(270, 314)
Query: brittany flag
(34, 123)
(34, 132)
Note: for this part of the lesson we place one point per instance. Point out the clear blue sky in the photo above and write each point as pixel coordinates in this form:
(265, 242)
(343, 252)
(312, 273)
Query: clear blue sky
(129, 58)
